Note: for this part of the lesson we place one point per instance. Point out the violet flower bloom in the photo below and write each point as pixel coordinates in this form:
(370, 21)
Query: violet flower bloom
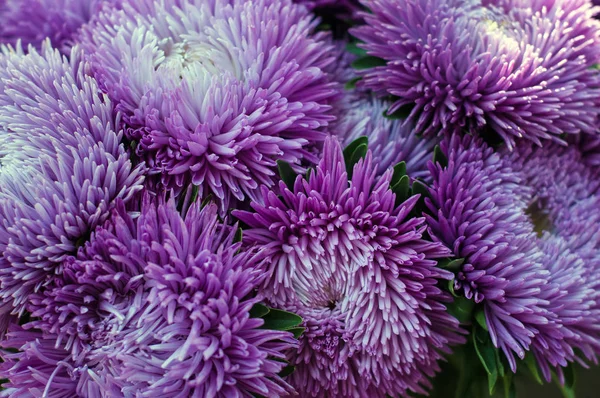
(62, 167)
(538, 290)
(216, 91)
(42, 369)
(32, 21)
(157, 304)
(194, 335)
(356, 267)
(390, 141)
(525, 70)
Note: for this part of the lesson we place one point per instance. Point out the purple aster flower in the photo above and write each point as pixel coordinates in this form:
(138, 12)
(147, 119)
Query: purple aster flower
(42, 369)
(491, 209)
(256, 67)
(194, 335)
(525, 70)
(390, 141)
(32, 21)
(62, 167)
(156, 304)
(355, 266)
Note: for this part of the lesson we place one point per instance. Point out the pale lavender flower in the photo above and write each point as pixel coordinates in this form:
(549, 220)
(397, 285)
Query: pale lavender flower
(62, 166)
(194, 335)
(356, 267)
(216, 91)
(32, 21)
(525, 70)
(525, 224)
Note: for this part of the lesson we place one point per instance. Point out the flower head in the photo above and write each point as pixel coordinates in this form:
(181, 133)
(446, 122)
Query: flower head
(525, 70)
(32, 21)
(62, 166)
(524, 225)
(216, 91)
(355, 266)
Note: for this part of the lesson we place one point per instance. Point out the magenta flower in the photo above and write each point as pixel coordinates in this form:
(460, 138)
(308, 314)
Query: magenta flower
(257, 67)
(525, 70)
(355, 266)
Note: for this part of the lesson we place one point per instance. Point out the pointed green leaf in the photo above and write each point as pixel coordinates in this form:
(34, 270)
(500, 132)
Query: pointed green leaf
(288, 370)
(402, 189)
(281, 320)
(451, 264)
(533, 369)
(351, 84)
(420, 188)
(287, 174)
(451, 288)
(238, 235)
(206, 201)
(354, 152)
(349, 150)
(258, 311)
(399, 172)
(368, 61)
(480, 318)
(439, 157)
(510, 390)
(353, 48)
(462, 309)
(399, 114)
(297, 332)
(485, 351)
(567, 389)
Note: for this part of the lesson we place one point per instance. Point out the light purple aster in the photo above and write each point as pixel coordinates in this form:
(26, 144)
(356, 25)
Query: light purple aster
(154, 303)
(42, 369)
(390, 141)
(194, 335)
(525, 70)
(216, 91)
(62, 166)
(537, 289)
(32, 21)
(355, 266)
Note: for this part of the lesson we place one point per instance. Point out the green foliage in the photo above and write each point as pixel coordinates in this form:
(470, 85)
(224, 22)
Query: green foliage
(355, 151)
(287, 174)
(367, 62)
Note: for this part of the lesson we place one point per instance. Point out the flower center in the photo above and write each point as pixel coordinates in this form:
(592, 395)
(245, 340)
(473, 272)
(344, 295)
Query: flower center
(539, 217)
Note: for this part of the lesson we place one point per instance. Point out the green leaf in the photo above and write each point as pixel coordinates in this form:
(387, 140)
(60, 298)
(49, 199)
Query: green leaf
(281, 320)
(356, 150)
(487, 356)
(297, 332)
(206, 201)
(367, 62)
(288, 370)
(567, 389)
(287, 174)
(510, 390)
(402, 189)
(480, 318)
(439, 157)
(351, 84)
(238, 235)
(258, 311)
(353, 48)
(401, 113)
(451, 288)
(462, 309)
(533, 369)
(451, 264)
(399, 172)
(420, 188)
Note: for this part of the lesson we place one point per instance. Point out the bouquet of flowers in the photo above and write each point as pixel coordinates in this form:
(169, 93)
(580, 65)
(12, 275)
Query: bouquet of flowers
(314, 198)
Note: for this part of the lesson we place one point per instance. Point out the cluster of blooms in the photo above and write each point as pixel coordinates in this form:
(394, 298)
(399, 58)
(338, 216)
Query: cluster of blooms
(241, 198)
